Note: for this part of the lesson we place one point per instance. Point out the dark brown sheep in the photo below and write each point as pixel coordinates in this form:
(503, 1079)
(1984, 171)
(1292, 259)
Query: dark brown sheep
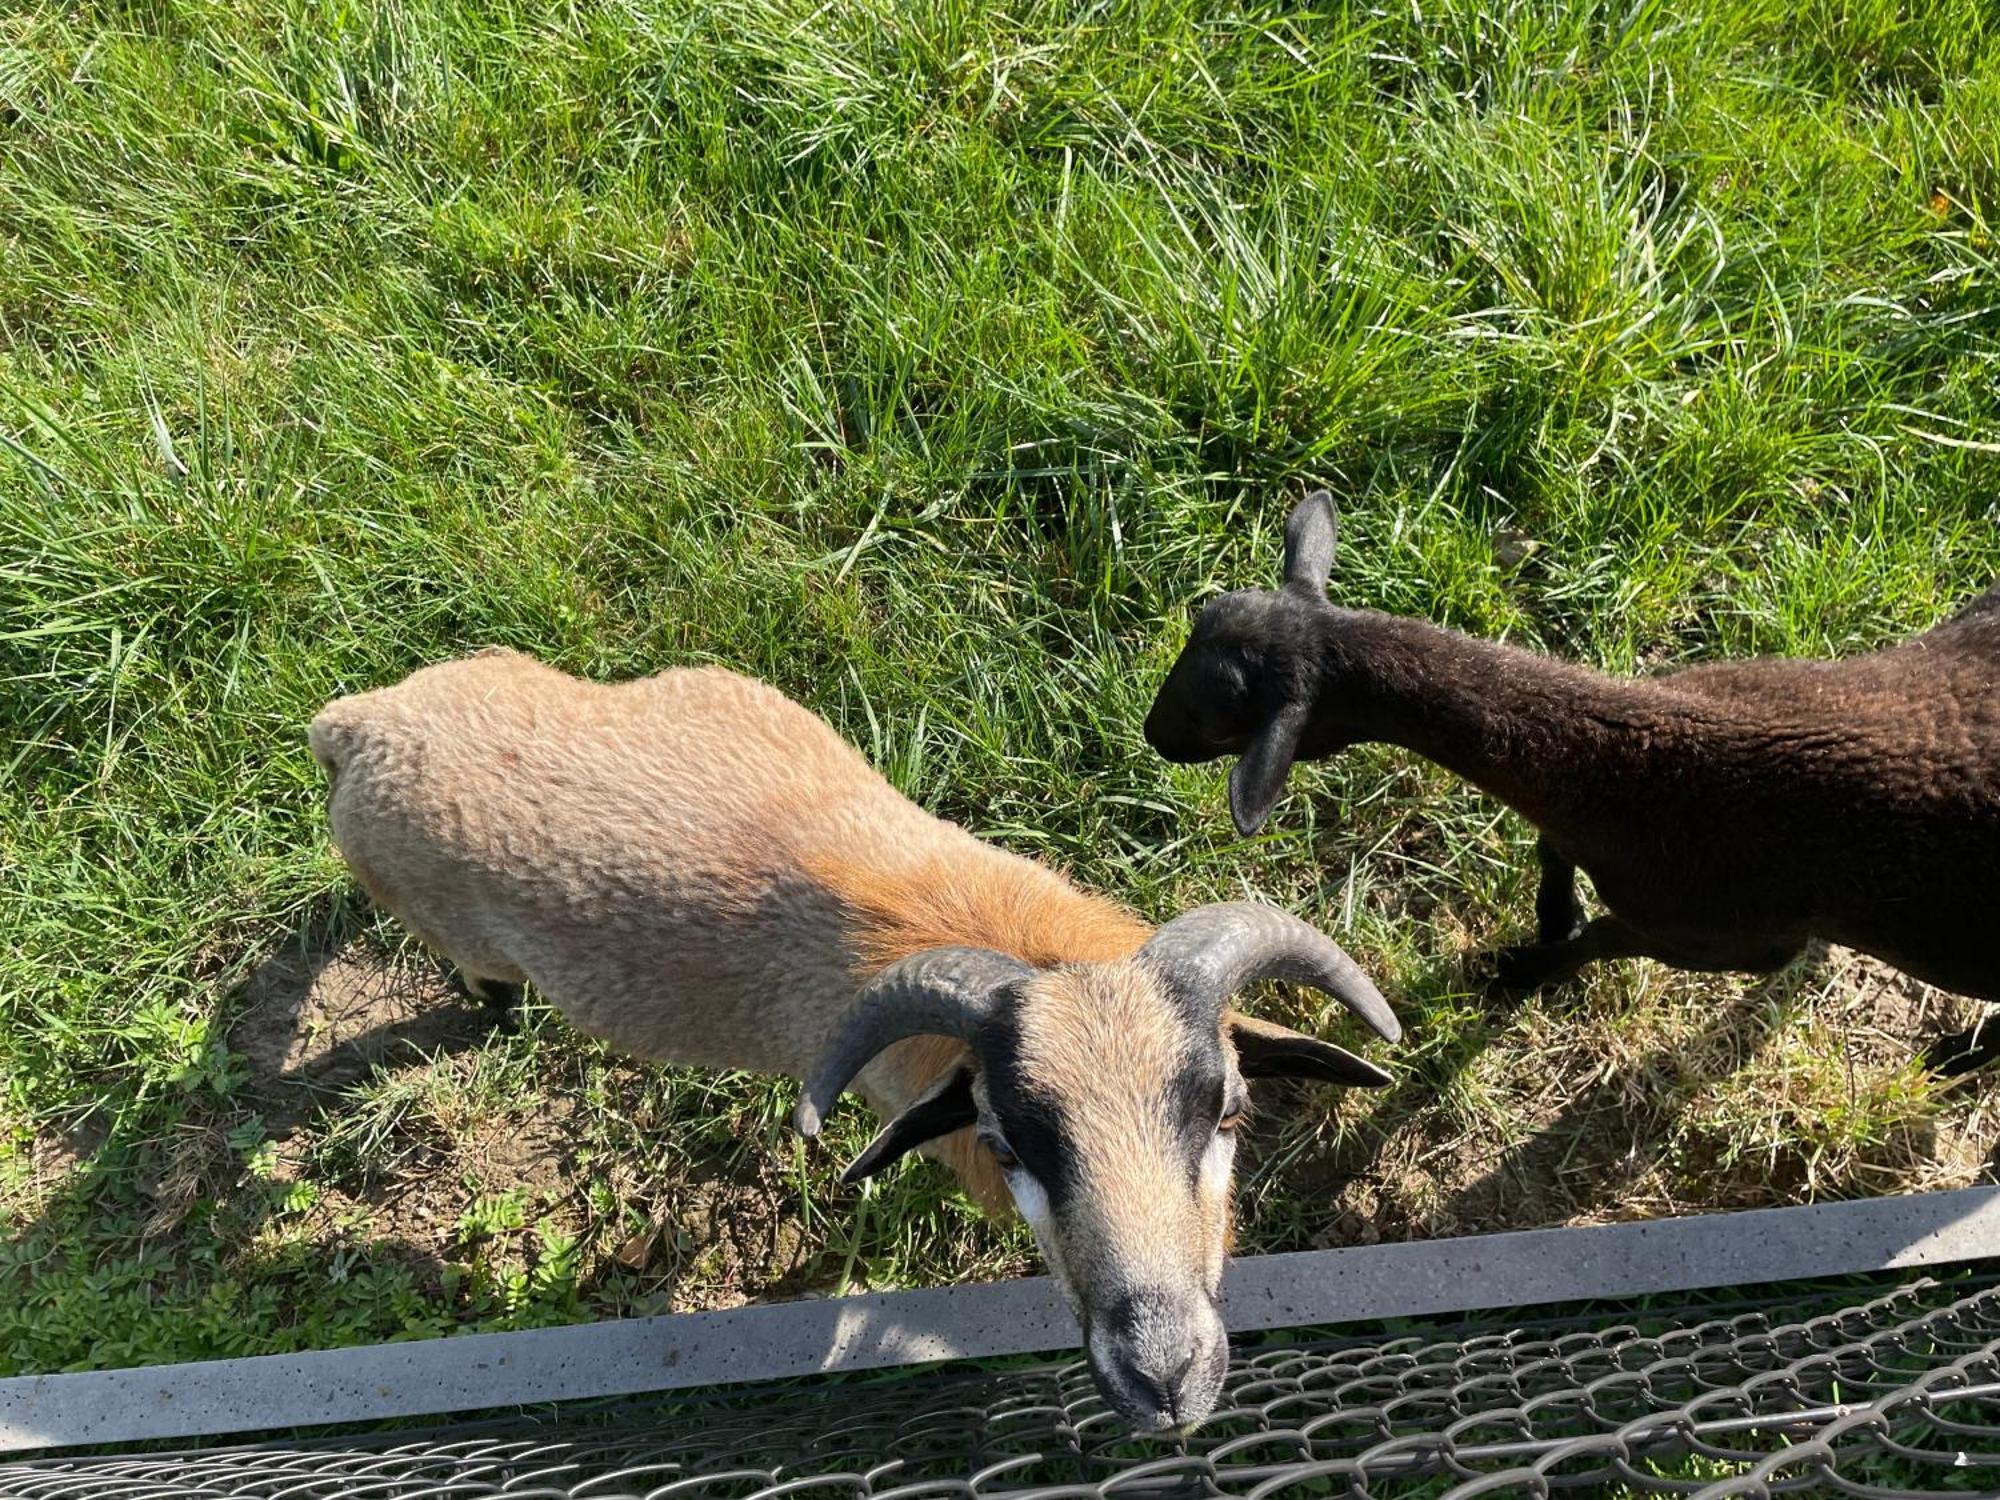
(1726, 814)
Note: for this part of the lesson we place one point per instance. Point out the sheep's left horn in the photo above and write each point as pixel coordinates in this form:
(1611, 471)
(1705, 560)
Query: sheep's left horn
(939, 992)
(1214, 951)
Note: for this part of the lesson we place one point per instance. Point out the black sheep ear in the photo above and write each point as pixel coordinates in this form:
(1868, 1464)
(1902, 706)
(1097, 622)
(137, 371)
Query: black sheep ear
(1309, 537)
(1257, 779)
(1264, 1050)
(946, 1108)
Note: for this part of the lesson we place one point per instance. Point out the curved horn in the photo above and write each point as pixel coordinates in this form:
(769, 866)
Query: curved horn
(938, 992)
(1214, 951)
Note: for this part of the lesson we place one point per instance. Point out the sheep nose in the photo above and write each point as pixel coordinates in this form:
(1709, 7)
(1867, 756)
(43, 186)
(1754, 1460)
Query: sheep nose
(1159, 1359)
(1171, 740)
(1168, 1391)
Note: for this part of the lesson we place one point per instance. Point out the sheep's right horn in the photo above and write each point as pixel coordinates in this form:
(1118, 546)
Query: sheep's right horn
(938, 992)
(1214, 951)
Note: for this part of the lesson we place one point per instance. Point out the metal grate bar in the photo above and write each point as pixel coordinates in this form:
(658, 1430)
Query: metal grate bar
(860, 1333)
(1834, 1390)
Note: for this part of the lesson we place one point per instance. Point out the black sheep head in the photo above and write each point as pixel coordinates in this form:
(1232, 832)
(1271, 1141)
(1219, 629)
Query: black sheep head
(1245, 682)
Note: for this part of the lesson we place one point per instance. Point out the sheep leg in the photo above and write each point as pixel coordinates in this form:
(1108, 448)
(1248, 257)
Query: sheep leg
(1529, 966)
(501, 999)
(1964, 1051)
(1558, 914)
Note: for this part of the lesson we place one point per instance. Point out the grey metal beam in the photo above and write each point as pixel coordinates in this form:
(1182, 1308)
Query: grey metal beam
(899, 1328)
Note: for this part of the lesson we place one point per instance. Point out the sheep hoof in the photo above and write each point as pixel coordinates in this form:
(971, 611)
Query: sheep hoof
(1521, 968)
(500, 1000)
(1962, 1052)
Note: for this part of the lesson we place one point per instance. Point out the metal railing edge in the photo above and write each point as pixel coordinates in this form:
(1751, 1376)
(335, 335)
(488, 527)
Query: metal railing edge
(1328, 1287)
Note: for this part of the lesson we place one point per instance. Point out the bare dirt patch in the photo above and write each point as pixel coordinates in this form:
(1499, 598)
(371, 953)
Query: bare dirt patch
(718, 1243)
(541, 1155)
(52, 1156)
(1889, 1014)
(311, 1023)
(459, 1176)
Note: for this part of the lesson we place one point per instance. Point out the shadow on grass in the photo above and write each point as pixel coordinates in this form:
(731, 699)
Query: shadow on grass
(327, 1169)
(322, 1025)
(355, 1158)
(163, 1201)
(1615, 1133)
(1610, 1132)
(311, 1020)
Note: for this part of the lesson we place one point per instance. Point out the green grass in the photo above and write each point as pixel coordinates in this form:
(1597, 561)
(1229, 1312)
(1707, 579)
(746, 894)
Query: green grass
(928, 361)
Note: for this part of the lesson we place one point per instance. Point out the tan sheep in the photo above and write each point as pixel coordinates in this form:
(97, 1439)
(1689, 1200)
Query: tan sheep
(698, 870)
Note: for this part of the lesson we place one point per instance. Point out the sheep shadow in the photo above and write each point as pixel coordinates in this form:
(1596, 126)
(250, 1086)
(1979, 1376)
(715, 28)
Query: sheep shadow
(338, 1106)
(1607, 1129)
(1612, 1137)
(316, 1020)
(1613, 1144)
(194, 1179)
(1288, 1174)
(315, 1017)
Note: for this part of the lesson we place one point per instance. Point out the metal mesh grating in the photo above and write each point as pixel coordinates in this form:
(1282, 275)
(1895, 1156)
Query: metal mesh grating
(1878, 1393)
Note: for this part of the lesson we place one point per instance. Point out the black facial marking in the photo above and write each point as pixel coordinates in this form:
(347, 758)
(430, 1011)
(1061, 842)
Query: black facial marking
(1037, 1129)
(1031, 1121)
(1196, 1098)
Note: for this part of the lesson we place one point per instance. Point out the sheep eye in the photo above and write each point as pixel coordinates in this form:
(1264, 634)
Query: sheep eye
(1232, 1117)
(1001, 1154)
(1232, 688)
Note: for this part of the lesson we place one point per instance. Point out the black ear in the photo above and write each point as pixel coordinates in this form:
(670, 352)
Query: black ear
(1257, 779)
(1309, 537)
(946, 1108)
(1267, 1051)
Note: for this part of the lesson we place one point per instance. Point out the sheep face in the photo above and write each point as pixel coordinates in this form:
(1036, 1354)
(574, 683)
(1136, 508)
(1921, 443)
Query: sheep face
(1112, 1100)
(1109, 1095)
(1246, 685)
(1112, 1109)
(1246, 682)
(1112, 1112)
(1251, 655)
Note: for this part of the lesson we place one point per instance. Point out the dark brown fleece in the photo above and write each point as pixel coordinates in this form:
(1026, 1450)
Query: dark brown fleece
(1726, 813)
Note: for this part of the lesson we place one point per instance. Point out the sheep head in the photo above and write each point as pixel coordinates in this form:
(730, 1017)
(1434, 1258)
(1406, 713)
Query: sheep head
(1246, 682)
(1110, 1094)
